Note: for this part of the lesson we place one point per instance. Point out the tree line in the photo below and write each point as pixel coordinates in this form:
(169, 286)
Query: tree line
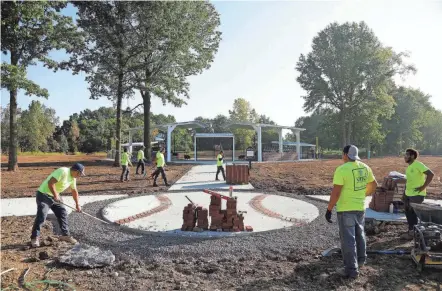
(349, 77)
(152, 47)
(89, 131)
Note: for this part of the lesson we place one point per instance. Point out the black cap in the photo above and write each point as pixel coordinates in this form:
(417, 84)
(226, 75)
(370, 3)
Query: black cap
(79, 167)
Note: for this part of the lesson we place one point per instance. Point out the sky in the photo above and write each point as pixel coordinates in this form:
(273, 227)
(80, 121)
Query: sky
(261, 43)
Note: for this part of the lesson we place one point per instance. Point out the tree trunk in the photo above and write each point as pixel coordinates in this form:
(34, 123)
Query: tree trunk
(117, 162)
(349, 132)
(344, 129)
(13, 142)
(147, 142)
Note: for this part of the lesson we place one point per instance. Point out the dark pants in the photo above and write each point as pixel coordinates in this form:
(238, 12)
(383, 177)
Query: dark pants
(125, 173)
(44, 203)
(409, 211)
(157, 173)
(140, 164)
(353, 244)
(220, 169)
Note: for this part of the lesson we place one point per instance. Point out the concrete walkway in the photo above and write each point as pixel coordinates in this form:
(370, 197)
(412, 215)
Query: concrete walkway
(27, 206)
(203, 177)
(370, 213)
(164, 213)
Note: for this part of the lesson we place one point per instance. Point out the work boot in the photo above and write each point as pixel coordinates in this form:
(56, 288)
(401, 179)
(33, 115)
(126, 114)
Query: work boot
(35, 242)
(167, 184)
(154, 184)
(68, 239)
(409, 235)
(343, 273)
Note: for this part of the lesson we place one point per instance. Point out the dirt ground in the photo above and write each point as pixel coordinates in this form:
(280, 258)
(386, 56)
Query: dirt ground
(297, 270)
(101, 177)
(316, 177)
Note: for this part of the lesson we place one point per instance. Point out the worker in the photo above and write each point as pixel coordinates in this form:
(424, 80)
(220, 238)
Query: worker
(160, 168)
(140, 158)
(219, 165)
(48, 196)
(418, 177)
(352, 182)
(125, 162)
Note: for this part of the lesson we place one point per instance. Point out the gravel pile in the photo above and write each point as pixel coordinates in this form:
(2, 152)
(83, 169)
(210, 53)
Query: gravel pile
(317, 235)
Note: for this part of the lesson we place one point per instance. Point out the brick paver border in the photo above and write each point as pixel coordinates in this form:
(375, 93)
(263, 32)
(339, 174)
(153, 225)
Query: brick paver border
(256, 203)
(165, 203)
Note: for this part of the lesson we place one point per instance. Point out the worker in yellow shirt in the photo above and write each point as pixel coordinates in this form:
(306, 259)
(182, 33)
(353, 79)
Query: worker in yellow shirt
(160, 168)
(219, 165)
(352, 181)
(125, 162)
(140, 158)
(418, 178)
(48, 194)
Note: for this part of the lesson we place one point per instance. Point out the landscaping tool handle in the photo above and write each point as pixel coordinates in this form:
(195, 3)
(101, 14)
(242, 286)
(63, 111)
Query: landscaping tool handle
(96, 218)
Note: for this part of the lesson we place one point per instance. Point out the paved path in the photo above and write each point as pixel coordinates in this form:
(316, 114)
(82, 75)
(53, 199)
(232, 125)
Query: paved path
(27, 206)
(370, 213)
(164, 213)
(203, 177)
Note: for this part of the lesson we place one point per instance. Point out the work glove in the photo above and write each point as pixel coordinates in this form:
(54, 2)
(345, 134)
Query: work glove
(328, 215)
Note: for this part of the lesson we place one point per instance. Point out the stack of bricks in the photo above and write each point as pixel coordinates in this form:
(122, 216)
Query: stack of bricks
(202, 218)
(216, 218)
(189, 218)
(389, 192)
(228, 219)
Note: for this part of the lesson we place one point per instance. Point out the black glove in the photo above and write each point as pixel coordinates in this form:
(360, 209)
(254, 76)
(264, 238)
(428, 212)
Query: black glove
(328, 215)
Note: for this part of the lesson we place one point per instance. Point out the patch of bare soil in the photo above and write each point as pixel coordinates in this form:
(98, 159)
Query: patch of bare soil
(296, 270)
(316, 177)
(101, 176)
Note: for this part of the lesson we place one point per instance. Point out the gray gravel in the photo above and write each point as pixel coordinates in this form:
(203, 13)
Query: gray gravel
(317, 235)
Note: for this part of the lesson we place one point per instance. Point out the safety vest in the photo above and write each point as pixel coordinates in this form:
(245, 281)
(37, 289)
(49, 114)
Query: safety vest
(218, 162)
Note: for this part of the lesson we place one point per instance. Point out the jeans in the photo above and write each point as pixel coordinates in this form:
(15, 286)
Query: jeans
(44, 202)
(220, 169)
(409, 211)
(157, 173)
(140, 164)
(353, 244)
(125, 172)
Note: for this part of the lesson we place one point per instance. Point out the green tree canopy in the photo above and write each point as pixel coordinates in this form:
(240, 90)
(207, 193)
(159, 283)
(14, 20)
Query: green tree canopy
(30, 30)
(350, 71)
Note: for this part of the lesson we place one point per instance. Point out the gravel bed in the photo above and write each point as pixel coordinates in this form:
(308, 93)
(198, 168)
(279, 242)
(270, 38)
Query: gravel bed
(315, 236)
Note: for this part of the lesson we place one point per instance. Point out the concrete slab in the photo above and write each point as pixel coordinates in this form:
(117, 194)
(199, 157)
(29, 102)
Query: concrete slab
(27, 206)
(262, 211)
(370, 213)
(203, 177)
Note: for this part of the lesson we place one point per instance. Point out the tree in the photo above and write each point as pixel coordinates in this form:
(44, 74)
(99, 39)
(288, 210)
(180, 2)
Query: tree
(107, 57)
(404, 128)
(30, 30)
(347, 69)
(37, 125)
(242, 111)
(176, 40)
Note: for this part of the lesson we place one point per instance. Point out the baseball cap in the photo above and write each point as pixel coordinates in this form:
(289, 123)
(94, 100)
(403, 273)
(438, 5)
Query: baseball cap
(79, 167)
(352, 152)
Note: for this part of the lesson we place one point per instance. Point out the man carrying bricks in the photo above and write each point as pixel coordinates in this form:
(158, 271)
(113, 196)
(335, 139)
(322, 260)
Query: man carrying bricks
(219, 165)
(48, 194)
(352, 181)
(418, 178)
(160, 168)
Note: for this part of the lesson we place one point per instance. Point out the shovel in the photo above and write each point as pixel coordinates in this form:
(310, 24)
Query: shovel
(336, 250)
(96, 218)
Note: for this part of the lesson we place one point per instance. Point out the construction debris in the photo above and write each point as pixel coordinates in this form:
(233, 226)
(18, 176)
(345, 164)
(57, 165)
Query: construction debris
(83, 255)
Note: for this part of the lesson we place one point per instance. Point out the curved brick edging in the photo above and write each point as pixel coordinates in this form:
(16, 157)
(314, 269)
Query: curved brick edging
(256, 204)
(165, 203)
